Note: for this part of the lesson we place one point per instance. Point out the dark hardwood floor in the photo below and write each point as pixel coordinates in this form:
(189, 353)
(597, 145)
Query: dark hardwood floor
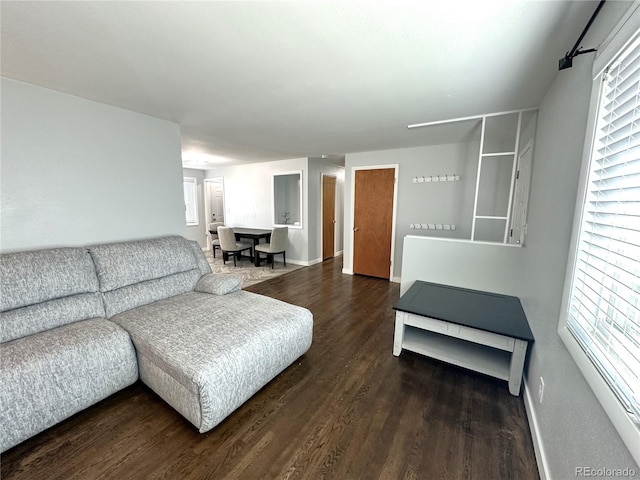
(347, 409)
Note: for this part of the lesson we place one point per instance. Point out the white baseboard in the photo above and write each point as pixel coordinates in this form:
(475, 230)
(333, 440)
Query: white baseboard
(298, 262)
(313, 262)
(541, 458)
(339, 253)
(395, 279)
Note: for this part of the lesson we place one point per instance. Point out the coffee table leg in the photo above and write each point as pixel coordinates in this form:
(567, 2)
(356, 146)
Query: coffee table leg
(398, 336)
(516, 367)
(254, 253)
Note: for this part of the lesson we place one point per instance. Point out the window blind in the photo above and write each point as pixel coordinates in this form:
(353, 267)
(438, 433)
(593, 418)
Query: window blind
(190, 200)
(604, 303)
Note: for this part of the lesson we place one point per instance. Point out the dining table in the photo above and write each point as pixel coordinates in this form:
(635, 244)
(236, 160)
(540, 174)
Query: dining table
(253, 234)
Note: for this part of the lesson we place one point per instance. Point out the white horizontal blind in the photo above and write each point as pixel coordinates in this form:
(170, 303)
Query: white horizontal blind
(604, 313)
(190, 200)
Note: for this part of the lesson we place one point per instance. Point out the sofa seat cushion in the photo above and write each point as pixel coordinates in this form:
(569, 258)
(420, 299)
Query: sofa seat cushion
(207, 354)
(51, 375)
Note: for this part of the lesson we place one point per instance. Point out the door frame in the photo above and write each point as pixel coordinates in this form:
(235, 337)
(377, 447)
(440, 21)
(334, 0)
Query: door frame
(396, 167)
(335, 230)
(208, 193)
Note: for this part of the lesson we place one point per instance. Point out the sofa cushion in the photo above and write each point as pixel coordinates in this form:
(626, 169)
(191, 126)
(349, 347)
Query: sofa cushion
(51, 375)
(207, 354)
(203, 264)
(131, 296)
(140, 272)
(38, 276)
(219, 283)
(45, 289)
(50, 314)
(126, 263)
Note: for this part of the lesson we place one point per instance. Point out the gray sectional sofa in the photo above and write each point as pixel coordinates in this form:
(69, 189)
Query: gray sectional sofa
(78, 324)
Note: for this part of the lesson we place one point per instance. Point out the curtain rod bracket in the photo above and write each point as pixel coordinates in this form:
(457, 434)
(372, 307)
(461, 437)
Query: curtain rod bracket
(567, 60)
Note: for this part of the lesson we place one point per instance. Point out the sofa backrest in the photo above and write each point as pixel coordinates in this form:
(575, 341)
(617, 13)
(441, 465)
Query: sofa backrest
(139, 272)
(44, 289)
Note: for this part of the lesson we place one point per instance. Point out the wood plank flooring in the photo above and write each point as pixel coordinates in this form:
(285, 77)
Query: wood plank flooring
(347, 409)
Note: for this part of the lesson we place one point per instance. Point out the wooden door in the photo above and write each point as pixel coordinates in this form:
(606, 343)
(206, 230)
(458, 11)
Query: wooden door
(373, 222)
(328, 216)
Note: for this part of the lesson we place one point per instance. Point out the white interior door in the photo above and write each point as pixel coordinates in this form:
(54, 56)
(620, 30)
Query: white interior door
(213, 203)
(521, 195)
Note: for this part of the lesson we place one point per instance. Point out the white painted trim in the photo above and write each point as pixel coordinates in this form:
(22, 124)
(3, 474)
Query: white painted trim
(298, 262)
(347, 271)
(621, 36)
(339, 253)
(512, 188)
(536, 435)
(273, 199)
(208, 194)
(396, 167)
(621, 420)
(465, 240)
(473, 117)
(395, 279)
(475, 198)
(314, 261)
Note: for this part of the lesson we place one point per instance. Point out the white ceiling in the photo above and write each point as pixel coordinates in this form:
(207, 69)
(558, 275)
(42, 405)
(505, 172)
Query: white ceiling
(256, 81)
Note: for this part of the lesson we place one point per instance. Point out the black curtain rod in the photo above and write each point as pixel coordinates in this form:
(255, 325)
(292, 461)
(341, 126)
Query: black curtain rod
(567, 60)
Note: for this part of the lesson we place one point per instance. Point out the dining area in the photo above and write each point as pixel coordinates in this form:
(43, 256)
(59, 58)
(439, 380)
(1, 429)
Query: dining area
(255, 243)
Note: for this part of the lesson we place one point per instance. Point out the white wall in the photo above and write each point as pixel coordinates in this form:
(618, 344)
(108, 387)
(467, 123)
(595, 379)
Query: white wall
(316, 170)
(575, 430)
(248, 200)
(197, 232)
(76, 172)
(492, 267)
(441, 202)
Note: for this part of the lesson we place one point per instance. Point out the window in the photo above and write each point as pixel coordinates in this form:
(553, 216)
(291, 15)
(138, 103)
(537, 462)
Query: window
(191, 200)
(603, 303)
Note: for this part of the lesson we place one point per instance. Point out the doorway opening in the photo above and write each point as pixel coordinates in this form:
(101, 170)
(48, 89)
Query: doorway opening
(213, 203)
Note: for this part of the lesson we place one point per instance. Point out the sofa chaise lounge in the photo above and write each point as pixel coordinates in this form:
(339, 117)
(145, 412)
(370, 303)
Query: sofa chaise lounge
(78, 324)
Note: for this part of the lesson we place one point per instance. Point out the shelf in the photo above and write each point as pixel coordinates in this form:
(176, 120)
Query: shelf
(462, 353)
(489, 217)
(497, 154)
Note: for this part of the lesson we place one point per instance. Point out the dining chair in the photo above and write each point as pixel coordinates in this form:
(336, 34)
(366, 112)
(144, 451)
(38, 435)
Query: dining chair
(277, 245)
(215, 241)
(229, 246)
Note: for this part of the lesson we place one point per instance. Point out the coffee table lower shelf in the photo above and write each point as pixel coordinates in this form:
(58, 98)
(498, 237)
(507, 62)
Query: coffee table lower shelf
(481, 351)
(462, 353)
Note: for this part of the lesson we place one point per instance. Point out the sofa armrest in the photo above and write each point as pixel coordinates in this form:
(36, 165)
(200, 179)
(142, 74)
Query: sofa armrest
(219, 283)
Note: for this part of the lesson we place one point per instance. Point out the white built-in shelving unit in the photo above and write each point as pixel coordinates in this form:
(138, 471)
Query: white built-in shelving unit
(503, 175)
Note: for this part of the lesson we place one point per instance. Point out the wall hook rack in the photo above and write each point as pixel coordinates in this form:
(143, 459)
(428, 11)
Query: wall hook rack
(448, 177)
